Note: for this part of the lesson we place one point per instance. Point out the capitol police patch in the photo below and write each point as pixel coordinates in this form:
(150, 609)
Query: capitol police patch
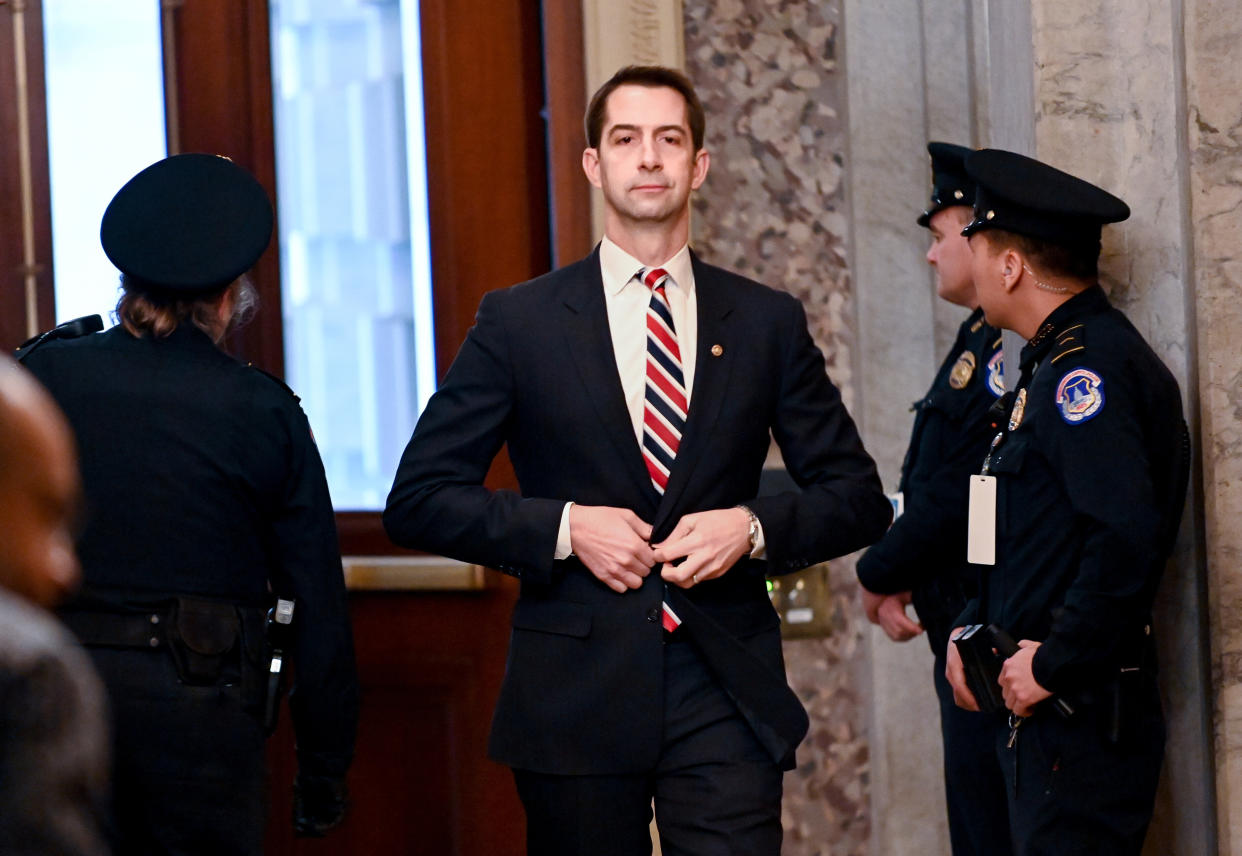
(1080, 395)
(996, 374)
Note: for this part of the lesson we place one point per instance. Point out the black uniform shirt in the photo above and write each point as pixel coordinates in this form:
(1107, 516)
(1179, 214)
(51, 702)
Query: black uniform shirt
(201, 478)
(925, 548)
(1090, 487)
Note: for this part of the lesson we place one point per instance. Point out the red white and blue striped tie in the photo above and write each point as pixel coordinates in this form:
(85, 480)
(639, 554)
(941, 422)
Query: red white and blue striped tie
(664, 409)
(665, 401)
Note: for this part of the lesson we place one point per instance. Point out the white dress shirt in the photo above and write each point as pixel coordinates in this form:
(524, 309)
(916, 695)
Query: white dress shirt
(626, 300)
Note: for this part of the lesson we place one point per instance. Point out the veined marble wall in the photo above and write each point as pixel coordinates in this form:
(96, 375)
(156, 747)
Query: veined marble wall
(774, 208)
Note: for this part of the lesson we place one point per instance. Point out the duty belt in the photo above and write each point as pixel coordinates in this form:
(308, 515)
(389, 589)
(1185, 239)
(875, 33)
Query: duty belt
(120, 630)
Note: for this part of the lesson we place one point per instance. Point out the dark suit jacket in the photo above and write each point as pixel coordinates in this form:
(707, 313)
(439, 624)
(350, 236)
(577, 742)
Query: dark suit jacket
(583, 687)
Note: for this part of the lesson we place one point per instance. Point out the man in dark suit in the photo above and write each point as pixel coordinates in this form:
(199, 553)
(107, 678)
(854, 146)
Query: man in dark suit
(638, 391)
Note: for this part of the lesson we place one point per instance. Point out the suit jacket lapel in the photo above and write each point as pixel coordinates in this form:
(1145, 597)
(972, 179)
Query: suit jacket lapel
(711, 375)
(590, 347)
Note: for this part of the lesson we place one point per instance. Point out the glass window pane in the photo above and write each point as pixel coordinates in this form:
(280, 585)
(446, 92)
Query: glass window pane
(355, 262)
(105, 114)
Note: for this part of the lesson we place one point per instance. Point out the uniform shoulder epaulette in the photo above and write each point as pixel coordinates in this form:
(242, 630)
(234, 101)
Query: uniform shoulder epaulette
(74, 329)
(1071, 340)
(274, 380)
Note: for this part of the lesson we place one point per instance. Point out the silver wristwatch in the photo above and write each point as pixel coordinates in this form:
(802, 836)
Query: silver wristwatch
(753, 531)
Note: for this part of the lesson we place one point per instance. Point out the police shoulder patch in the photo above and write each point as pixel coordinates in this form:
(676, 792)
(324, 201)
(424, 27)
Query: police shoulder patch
(1080, 395)
(996, 373)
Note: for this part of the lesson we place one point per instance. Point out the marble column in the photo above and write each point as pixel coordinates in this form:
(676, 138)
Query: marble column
(1211, 119)
(902, 329)
(1110, 105)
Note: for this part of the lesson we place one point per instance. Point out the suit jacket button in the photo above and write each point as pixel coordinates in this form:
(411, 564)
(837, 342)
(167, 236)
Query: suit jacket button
(653, 614)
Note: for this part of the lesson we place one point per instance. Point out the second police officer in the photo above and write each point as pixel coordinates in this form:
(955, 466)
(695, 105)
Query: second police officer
(922, 557)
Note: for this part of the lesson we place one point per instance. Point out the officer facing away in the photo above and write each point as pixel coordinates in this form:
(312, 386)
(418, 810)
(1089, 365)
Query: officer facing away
(922, 557)
(1077, 507)
(205, 496)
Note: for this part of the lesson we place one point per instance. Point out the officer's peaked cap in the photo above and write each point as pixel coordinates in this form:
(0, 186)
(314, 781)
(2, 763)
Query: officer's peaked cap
(187, 225)
(1024, 196)
(951, 185)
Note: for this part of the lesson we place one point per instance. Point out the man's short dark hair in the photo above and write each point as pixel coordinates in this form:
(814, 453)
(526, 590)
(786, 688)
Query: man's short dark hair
(652, 76)
(1073, 261)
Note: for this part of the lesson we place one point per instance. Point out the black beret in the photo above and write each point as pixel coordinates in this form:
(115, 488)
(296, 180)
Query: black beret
(1027, 197)
(950, 183)
(187, 225)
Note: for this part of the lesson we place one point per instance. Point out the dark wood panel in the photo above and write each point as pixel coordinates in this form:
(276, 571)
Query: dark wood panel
(224, 106)
(430, 666)
(13, 326)
(486, 167)
(565, 71)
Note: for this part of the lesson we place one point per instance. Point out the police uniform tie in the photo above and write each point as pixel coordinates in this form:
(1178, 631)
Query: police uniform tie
(665, 401)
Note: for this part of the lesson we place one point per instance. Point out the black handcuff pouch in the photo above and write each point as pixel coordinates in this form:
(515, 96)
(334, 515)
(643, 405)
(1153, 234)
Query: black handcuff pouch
(202, 636)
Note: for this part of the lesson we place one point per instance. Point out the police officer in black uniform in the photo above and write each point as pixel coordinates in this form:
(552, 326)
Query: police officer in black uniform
(1088, 478)
(923, 555)
(206, 497)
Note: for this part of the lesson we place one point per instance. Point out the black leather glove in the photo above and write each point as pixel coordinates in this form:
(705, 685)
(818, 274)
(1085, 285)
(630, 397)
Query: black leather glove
(318, 805)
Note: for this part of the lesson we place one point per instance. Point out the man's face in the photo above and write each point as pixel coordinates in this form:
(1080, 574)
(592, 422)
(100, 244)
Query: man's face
(987, 274)
(39, 495)
(950, 256)
(646, 164)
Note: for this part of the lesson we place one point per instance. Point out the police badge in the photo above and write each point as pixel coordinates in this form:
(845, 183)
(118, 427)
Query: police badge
(1019, 407)
(962, 370)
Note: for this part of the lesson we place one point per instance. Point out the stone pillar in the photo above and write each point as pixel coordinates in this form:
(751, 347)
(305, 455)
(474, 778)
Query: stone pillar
(1110, 92)
(1211, 119)
(889, 179)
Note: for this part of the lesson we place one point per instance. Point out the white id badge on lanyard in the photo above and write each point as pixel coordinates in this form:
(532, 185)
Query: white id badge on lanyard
(981, 521)
(898, 501)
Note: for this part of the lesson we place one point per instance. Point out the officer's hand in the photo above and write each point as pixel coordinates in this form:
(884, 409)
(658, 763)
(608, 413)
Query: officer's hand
(711, 542)
(955, 672)
(318, 805)
(892, 618)
(871, 604)
(1017, 679)
(612, 543)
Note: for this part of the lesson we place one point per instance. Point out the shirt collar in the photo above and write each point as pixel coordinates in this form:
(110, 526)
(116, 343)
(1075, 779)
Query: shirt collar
(618, 267)
(1085, 302)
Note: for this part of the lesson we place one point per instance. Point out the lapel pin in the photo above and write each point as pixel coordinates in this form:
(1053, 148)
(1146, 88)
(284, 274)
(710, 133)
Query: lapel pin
(717, 350)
